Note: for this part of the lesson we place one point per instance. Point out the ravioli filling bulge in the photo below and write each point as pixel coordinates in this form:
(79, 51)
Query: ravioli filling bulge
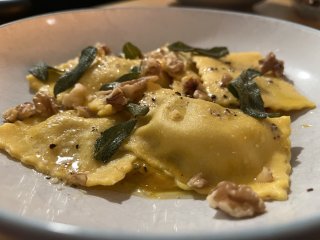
(62, 146)
(187, 136)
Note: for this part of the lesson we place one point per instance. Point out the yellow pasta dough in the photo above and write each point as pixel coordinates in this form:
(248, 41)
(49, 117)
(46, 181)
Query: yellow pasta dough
(181, 137)
(277, 93)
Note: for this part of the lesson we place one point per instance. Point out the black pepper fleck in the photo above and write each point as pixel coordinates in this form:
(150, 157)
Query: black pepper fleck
(48, 177)
(212, 69)
(309, 189)
(153, 99)
(225, 96)
(179, 94)
(145, 169)
(213, 97)
(77, 146)
(52, 146)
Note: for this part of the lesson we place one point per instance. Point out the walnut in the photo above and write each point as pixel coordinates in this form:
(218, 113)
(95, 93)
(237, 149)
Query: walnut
(158, 53)
(117, 98)
(271, 63)
(238, 201)
(76, 97)
(190, 84)
(192, 87)
(79, 179)
(173, 65)
(129, 91)
(225, 80)
(103, 49)
(45, 105)
(20, 112)
(150, 66)
(84, 112)
(197, 181)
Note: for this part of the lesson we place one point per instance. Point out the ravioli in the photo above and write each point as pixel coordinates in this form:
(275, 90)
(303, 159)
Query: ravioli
(189, 129)
(277, 93)
(105, 69)
(186, 136)
(62, 146)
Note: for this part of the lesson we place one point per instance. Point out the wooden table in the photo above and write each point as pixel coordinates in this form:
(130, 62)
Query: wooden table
(281, 9)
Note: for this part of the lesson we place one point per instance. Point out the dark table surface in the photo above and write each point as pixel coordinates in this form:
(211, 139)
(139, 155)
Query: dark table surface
(11, 10)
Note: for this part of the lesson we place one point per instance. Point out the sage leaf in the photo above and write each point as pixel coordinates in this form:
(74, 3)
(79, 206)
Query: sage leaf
(137, 110)
(133, 74)
(131, 51)
(69, 79)
(111, 139)
(215, 52)
(41, 71)
(109, 86)
(247, 91)
(180, 46)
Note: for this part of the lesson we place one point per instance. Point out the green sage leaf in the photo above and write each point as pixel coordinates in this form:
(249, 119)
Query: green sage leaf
(131, 51)
(247, 91)
(111, 139)
(133, 74)
(137, 110)
(69, 79)
(215, 52)
(41, 71)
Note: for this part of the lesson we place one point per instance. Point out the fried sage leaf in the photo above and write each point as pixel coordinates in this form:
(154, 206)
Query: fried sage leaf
(137, 110)
(131, 51)
(111, 139)
(41, 71)
(247, 91)
(69, 79)
(215, 52)
(133, 74)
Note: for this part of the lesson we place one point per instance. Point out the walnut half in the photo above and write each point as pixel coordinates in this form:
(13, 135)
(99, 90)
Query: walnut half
(238, 201)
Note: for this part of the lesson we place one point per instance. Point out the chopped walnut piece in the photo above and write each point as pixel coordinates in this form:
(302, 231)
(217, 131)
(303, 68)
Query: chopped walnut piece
(103, 49)
(190, 84)
(117, 98)
(238, 201)
(129, 91)
(84, 112)
(225, 79)
(20, 112)
(197, 181)
(192, 87)
(78, 179)
(265, 175)
(173, 65)
(76, 97)
(150, 66)
(271, 63)
(45, 105)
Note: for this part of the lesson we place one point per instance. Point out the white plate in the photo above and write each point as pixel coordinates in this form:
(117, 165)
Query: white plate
(29, 204)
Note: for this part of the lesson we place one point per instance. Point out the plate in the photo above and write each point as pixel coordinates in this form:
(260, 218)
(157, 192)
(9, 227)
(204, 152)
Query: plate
(31, 206)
